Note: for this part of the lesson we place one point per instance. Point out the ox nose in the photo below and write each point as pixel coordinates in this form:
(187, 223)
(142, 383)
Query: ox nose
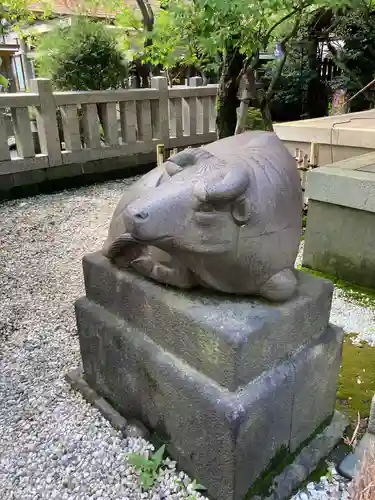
(138, 215)
(142, 215)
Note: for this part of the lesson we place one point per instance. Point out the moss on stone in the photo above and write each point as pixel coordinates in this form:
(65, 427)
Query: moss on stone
(362, 295)
(262, 486)
(356, 382)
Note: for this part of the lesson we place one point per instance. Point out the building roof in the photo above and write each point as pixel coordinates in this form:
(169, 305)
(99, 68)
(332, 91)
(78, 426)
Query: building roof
(74, 7)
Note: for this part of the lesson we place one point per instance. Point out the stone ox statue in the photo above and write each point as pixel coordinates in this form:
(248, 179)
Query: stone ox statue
(226, 216)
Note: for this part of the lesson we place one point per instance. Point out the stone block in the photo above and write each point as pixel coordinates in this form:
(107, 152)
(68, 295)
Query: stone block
(229, 339)
(227, 415)
(210, 429)
(339, 241)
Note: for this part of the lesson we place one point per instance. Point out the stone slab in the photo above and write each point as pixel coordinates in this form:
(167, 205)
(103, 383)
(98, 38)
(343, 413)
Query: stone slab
(339, 241)
(351, 185)
(352, 462)
(223, 439)
(369, 168)
(229, 339)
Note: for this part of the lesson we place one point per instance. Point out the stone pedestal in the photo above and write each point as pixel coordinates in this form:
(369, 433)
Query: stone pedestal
(231, 382)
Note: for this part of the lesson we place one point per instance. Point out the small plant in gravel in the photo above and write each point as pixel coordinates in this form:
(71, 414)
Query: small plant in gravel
(192, 489)
(148, 467)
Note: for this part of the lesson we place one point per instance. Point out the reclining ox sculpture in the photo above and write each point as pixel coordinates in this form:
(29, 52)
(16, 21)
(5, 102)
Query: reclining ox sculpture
(225, 216)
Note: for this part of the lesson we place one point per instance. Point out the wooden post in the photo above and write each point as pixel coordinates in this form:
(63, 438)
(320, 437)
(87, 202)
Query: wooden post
(314, 154)
(161, 84)
(160, 151)
(46, 119)
(195, 81)
(4, 148)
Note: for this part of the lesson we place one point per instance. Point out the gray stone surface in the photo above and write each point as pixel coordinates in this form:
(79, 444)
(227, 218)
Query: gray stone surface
(352, 462)
(225, 439)
(349, 183)
(370, 169)
(315, 393)
(230, 339)
(340, 241)
(371, 420)
(225, 216)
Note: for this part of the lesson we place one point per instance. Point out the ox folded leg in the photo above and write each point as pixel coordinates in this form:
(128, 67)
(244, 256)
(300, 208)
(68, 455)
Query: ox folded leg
(173, 273)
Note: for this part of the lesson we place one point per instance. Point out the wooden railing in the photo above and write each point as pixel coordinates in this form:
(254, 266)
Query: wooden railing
(60, 128)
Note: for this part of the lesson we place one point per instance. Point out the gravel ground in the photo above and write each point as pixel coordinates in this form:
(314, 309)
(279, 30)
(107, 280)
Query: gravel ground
(351, 316)
(53, 444)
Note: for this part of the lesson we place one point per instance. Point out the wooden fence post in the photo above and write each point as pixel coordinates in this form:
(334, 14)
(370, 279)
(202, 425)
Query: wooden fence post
(161, 84)
(46, 119)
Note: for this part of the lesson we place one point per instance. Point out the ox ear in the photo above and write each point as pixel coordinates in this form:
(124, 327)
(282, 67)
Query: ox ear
(180, 160)
(186, 158)
(241, 210)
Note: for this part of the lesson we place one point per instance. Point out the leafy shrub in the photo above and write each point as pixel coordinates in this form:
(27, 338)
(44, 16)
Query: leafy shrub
(84, 56)
(254, 120)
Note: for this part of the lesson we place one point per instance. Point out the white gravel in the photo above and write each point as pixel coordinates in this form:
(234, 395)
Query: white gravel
(333, 488)
(351, 316)
(53, 445)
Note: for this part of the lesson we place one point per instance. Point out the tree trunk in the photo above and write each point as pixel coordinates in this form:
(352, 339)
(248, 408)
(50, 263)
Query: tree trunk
(227, 96)
(266, 114)
(148, 26)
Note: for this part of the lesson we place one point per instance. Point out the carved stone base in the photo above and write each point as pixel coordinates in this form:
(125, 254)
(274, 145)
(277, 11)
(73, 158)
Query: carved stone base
(230, 382)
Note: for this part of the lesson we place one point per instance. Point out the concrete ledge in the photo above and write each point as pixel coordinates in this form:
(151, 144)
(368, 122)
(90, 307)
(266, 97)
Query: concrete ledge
(349, 183)
(49, 179)
(131, 428)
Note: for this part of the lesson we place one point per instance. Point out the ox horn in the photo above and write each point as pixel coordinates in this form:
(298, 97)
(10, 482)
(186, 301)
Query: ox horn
(233, 185)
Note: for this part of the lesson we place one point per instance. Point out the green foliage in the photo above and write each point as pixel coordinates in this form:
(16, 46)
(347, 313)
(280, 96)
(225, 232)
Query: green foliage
(357, 30)
(3, 81)
(203, 30)
(356, 383)
(254, 120)
(147, 467)
(84, 56)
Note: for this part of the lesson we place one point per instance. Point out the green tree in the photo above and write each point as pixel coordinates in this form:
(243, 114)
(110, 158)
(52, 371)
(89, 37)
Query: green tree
(232, 35)
(84, 56)
(356, 57)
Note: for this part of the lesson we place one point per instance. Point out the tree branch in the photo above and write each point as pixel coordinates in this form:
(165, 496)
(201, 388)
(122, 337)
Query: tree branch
(147, 14)
(283, 43)
(344, 67)
(282, 20)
